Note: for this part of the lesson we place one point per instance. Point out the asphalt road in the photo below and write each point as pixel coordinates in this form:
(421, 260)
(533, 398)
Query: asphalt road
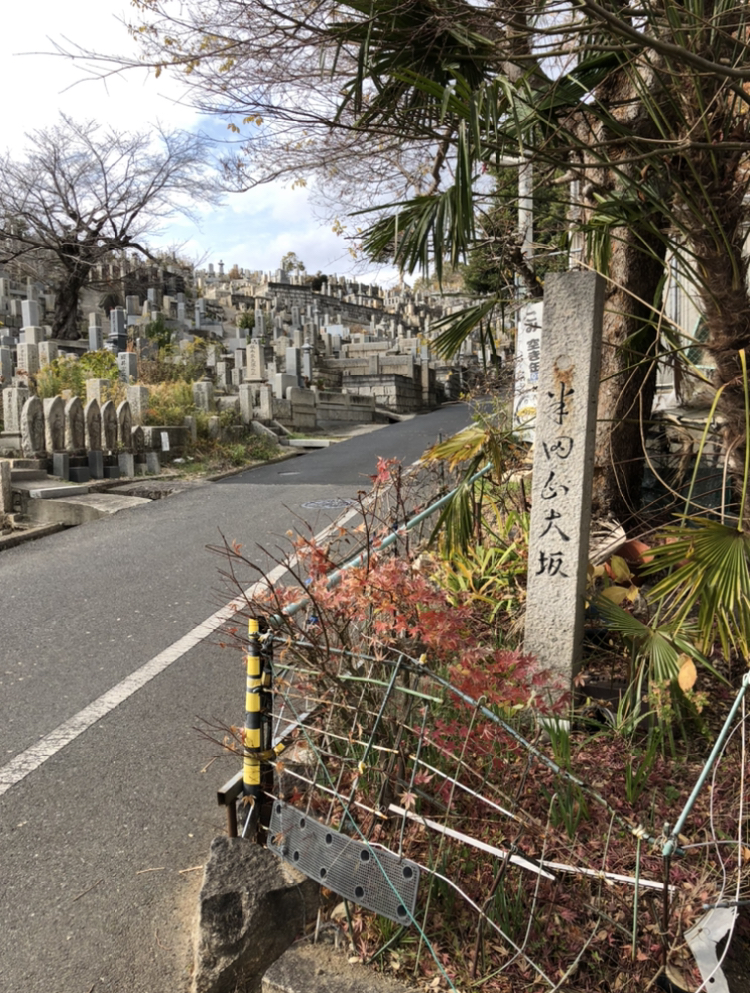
(107, 791)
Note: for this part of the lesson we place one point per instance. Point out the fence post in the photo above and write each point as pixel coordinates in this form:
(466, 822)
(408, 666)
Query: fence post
(252, 734)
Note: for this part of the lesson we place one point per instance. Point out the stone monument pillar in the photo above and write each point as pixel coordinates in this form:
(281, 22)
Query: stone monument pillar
(567, 395)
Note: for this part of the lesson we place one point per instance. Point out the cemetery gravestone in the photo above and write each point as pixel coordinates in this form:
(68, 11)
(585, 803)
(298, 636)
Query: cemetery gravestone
(6, 489)
(124, 426)
(93, 421)
(54, 424)
(47, 352)
(13, 400)
(127, 363)
(109, 426)
(32, 428)
(30, 313)
(75, 426)
(27, 359)
(138, 400)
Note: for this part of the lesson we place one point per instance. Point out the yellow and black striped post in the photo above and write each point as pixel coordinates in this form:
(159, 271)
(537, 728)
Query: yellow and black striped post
(251, 759)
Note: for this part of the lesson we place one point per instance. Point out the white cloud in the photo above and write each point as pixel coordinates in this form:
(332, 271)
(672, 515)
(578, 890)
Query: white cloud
(253, 229)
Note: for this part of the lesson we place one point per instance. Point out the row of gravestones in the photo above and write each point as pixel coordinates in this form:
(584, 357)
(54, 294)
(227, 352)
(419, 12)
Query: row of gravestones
(56, 425)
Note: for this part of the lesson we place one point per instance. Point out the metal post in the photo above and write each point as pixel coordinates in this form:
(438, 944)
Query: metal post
(251, 738)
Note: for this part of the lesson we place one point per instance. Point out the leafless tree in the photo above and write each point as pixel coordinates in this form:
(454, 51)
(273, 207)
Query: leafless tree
(84, 191)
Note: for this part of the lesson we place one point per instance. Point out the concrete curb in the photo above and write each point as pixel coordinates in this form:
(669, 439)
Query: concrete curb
(28, 534)
(252, 465)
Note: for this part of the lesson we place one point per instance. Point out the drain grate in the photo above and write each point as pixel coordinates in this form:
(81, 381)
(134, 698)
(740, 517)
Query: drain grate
(371, 877)
(334, 503)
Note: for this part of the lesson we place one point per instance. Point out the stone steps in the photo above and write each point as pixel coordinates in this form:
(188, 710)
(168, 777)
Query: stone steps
(81, 508)
(43, 500)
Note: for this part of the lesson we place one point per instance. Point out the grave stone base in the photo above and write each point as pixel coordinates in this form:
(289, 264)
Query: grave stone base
(96, 465)
(126, 464)
(111, 472)
(79, 474)
(61, 465)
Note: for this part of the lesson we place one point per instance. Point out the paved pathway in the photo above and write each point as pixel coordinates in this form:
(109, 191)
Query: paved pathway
(107, 793)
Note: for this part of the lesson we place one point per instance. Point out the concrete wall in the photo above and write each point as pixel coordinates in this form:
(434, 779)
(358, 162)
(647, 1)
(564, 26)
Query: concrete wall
(398, 393)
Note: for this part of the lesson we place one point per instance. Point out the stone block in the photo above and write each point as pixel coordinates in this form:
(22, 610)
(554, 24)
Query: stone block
(112, 472)
(33, 335)
(96, 390)
(126, 464)
(56, 492)
(96, 464)
(191, 426)
(138, 399)
(153, 467)
(127, 363)
(61, 465)
(80, 474)
(47, 353)
(27, 358)
(246, 892)
(29, 313)
(6, 491)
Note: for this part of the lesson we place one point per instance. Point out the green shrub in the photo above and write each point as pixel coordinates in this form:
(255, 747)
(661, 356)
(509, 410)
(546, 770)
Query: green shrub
(170, 403)
(70, 373)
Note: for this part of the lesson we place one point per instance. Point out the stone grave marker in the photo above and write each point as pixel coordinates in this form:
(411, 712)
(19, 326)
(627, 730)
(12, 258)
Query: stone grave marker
(124, 426)
(47, 352)
(54, 424)
(127, 363)
(109, 426)
(203, 394)
(6, 489)
(30, 313)
(27, 358)
(528, 338)
(6, 366)
(96, 390)
(93, 421)
(138, 400)
(247, 391)
(293, 363)
(13, 400)
(256, 362)
(33, 335)
(32, 428)
(96, 336)
(75, 426)
(563, 471)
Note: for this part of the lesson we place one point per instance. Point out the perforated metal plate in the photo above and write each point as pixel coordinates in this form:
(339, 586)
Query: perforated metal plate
(371, 877)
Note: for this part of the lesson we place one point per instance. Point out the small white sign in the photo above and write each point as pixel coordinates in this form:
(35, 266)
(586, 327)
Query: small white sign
(528, 354)
(165, 441)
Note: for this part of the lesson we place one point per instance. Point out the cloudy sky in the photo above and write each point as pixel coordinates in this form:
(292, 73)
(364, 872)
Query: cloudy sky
(253, 229)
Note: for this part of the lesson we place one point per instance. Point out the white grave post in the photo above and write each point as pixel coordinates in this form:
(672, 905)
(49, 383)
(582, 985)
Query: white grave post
(528, 336)
(563, 472)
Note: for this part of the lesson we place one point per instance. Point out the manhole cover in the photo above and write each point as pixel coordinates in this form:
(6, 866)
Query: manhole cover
(335, 503)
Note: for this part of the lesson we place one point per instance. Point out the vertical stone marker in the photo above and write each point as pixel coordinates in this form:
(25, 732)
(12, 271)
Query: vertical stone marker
(563, 471)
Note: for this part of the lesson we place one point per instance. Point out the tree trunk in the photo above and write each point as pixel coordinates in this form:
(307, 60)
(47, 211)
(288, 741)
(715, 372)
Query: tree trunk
(65, 323)
(628, 376)
(726, 305)
(635, 276)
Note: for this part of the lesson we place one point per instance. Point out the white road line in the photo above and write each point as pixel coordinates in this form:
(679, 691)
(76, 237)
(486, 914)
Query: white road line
(34, 756)
(29, 760)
